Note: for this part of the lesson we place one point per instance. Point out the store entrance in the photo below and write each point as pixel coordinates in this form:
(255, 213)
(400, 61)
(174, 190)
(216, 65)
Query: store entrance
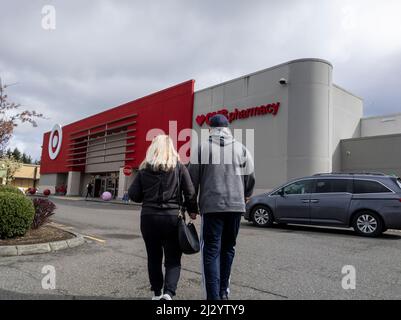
(106, 182)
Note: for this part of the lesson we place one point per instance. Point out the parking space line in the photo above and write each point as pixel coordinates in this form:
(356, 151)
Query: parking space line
(60, 225)
(94, 238)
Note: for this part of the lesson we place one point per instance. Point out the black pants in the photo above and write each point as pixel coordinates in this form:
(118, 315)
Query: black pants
(219, 234)
(160, 233)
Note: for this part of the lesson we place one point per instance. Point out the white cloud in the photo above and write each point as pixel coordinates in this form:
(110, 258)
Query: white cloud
(105, 52)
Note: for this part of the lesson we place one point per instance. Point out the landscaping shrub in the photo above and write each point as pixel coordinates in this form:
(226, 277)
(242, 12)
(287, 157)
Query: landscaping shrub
(46, 192)
(43, 210)
(11, 189)
(16, 214)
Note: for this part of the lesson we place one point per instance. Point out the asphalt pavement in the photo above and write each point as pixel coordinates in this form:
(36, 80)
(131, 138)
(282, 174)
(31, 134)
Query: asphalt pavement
(290, 262)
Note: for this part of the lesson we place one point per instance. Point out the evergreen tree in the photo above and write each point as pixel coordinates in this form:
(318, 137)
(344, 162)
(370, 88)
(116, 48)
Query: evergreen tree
(17, 154)
(23, 158)
(26, 158)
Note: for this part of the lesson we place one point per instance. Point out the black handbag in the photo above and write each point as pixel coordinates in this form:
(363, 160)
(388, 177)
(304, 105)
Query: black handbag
(187, 234)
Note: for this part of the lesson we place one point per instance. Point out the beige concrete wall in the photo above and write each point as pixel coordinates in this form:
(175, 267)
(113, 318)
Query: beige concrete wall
(347, 113)
(51, 181)
(270, 133)
(382, 125)
(74, 183)
(23, 183)
(378, 154)
(28, 171)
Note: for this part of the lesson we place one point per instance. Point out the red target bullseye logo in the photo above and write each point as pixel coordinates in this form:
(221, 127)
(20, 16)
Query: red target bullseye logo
(55, 140)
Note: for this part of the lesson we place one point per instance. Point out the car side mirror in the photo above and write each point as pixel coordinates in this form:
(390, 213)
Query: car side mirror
(281, 192)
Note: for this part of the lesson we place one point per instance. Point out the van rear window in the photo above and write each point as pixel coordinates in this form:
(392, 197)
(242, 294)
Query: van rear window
(367, 186)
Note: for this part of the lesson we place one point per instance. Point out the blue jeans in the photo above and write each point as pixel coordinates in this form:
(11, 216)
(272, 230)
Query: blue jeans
(218, 239)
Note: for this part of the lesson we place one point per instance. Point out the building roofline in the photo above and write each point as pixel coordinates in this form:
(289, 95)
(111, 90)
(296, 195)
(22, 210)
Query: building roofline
(345, 90)
(373, 137)
(26, 178)
(382, 116)
(267, 69)
(31, 165)
(128, 102)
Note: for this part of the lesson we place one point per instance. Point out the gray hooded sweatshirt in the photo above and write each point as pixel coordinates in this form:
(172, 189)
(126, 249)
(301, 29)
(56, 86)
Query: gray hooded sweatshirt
(222, 173)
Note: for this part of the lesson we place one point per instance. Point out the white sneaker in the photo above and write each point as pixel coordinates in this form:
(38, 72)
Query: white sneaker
(157, 297)
(166, 296)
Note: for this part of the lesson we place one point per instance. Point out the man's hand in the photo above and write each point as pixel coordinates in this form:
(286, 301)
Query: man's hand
(247, 199)
(193, 216)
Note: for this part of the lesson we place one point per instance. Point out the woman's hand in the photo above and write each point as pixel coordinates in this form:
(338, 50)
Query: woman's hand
(193, 216)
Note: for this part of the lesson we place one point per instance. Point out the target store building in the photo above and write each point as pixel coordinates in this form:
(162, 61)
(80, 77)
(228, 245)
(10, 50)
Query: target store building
(303, 124)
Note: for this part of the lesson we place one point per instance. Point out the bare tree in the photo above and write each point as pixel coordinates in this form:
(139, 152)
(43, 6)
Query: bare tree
(11, 116)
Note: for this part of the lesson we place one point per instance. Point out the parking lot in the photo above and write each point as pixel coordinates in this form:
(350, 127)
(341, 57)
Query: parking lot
(291, 262)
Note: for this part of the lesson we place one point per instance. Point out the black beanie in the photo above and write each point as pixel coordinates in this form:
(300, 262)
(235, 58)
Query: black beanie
(218, 120)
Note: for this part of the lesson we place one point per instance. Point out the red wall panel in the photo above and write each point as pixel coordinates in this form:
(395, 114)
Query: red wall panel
(153, 111)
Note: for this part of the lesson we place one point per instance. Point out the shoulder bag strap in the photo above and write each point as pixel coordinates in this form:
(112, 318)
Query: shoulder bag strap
(179, 196)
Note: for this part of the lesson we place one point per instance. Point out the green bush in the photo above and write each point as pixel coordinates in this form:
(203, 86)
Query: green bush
(11, 189)
(16, 214)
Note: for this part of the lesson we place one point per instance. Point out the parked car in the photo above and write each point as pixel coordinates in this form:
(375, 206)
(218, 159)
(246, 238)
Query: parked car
(368, 202)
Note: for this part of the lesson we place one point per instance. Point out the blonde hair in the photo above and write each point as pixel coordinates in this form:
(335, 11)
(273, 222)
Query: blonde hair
(161, 154)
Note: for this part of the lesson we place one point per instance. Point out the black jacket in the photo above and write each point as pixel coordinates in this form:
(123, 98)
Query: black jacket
(157, 190)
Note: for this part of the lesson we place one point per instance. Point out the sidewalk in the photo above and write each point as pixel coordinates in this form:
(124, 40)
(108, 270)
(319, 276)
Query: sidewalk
(78, 198)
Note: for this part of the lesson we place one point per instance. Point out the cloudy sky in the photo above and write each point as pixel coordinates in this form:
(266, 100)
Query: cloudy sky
(103, 53)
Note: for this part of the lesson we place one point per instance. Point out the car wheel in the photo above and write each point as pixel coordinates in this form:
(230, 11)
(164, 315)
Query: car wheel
(368, 224)
(262, 216)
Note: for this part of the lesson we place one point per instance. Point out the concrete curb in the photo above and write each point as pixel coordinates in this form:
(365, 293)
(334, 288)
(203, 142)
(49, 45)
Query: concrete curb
(28, 249)
(82, 199)
(112, 202)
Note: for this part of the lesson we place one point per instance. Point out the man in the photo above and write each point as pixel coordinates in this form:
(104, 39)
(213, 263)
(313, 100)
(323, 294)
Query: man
(222, 172)
(89, 189)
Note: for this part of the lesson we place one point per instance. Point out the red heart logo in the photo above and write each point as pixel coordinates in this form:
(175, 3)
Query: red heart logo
(200, 120)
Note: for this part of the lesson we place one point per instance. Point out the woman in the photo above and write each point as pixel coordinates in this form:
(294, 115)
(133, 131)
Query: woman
(156, 186)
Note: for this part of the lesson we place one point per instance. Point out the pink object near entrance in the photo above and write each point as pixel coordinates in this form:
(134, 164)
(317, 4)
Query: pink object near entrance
(106, 196)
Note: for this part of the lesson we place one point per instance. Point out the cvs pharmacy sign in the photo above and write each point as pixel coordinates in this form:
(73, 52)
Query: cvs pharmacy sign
(240, 114)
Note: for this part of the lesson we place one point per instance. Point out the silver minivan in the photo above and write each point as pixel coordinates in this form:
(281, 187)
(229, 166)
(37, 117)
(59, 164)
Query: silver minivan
(368, 202)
